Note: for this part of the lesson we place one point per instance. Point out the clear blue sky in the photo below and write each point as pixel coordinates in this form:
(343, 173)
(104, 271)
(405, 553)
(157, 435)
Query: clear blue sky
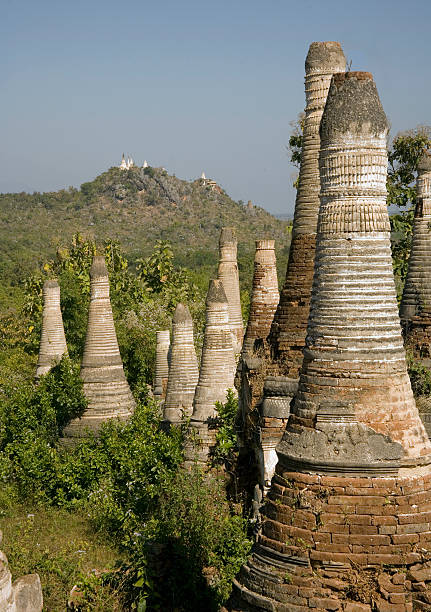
(189, 85)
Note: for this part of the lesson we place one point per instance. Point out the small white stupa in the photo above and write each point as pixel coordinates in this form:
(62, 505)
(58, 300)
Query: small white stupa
(125, 165)
(145, 164)
(203, 176)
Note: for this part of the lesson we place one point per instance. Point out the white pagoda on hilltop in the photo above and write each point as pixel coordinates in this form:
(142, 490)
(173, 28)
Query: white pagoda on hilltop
(125, 165)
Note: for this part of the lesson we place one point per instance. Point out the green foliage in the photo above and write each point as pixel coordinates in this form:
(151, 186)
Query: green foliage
(63, 550)
(296, 140)
(205, 540)
(403, 157)
(420, 377)
(402, 232)
(226, 438)
(129, 483)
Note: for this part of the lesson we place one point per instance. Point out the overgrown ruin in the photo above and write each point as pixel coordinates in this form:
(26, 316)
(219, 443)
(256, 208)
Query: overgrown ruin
(216, 373)
(415, 308)
(163, 343)
(105, 384)
(52, 341)
(183, 369)
(228, 273)
(346, 524)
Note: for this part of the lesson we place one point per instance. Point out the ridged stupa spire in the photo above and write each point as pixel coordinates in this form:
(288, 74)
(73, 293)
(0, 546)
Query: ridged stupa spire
(228, 273)
(415, 309)
(264, 295)
(217, 369)
(53, 341)
(163, 343)
(287, 336)
(352, 488)
(266, 406)
(183, 369)
(105, 384)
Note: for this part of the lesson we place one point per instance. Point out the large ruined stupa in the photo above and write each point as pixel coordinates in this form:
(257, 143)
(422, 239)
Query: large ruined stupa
(264, 426)
(105, 384)
(183, 369)
(347, 518)
(163, 342)
(52, 341)
(217, 371)
(228, 273)
(415, 309)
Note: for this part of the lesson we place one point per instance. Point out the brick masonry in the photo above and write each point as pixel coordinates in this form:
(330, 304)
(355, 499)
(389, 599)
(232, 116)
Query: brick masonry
(346, 523)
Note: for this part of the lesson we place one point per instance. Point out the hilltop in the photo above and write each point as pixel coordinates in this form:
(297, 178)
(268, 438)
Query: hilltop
(136, 207)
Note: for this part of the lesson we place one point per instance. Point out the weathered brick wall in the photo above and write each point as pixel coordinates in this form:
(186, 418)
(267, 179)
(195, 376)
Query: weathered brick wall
(336, 540)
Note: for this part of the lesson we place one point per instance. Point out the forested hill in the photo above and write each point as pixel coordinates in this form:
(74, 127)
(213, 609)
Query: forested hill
(135, 207)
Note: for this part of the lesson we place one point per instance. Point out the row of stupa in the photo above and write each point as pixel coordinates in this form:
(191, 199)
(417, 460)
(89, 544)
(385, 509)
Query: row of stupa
(346, 522)
(325, 398)
(186, 390)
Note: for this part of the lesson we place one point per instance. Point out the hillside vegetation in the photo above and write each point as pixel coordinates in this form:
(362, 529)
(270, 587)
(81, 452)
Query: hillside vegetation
(135, 207)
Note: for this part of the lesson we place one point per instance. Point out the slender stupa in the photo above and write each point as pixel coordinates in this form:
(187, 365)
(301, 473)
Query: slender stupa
(415, 309)
(269, 404)
(350, 500)
(264, 300)
(217, 370)
(287, 337)
(264, 295)
(53, 341)
(183, 368)
(105, 384)
(163, 343)
(228, 273)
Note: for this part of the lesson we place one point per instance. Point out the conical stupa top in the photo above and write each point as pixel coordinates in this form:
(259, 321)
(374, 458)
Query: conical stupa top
(217, 370)
(145, 164)
(203, 175)
(264, 296)
(355, 456)
(287, 336)
(228, 273)
(53, 341)
(183, 368)
(354, 360)
(163, 343)
(415, 308)
(102, 371)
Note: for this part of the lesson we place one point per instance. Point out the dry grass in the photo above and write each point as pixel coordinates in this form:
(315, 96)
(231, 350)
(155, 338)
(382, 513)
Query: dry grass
(63, 549)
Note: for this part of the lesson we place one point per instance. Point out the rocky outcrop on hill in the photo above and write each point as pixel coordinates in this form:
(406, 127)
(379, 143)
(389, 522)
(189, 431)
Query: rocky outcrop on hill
(136, 207)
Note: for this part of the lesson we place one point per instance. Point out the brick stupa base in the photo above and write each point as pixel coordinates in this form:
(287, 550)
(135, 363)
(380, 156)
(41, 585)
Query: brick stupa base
(342, 544)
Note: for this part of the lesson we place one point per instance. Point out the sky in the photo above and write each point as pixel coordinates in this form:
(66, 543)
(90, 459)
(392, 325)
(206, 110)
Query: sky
(190, 85)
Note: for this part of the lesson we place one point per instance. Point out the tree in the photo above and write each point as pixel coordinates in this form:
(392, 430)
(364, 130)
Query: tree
(403, 157)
